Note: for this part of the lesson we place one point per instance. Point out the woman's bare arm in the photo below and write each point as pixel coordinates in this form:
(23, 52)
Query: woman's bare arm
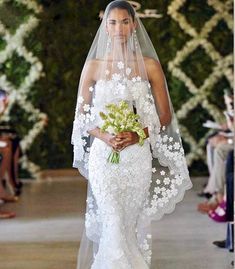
(159, 91)
(88, 78)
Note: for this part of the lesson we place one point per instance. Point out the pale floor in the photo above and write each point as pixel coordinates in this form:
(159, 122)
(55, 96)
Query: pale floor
(50, 218)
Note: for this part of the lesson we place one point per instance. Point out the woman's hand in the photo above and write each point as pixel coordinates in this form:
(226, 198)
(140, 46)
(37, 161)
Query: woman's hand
(125, 139)
(110, 140)
(120, 141)
(106, 137)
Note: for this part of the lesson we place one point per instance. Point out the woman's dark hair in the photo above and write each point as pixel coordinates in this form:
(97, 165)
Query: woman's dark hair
(122, 5)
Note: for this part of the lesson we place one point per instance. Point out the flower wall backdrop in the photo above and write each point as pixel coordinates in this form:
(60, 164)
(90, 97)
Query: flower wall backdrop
(19, 70)
(43, 45)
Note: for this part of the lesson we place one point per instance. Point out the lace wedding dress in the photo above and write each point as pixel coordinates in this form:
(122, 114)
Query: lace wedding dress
(123, 196)
(120, 189)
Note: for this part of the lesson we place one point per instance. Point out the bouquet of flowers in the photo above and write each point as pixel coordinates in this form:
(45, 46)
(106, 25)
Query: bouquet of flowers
(121, 118)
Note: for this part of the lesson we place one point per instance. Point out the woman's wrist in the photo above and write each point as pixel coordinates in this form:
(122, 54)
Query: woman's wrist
(106, 137)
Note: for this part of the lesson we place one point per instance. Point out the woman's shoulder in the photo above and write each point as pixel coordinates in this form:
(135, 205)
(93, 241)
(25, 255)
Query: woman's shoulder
(91, 68)
(152, 65)
(92, 64)
(150, 62)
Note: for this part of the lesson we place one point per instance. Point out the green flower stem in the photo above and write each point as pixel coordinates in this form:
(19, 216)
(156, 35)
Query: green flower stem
(114, 157)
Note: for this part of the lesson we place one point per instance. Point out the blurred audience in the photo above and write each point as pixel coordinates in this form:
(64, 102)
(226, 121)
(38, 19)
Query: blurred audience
(10, 185)
(219, 190)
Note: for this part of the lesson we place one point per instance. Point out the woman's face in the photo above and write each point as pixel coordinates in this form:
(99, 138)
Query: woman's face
(119, 25)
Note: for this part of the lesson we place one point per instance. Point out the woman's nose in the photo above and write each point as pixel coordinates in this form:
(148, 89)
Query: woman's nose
(118, 28)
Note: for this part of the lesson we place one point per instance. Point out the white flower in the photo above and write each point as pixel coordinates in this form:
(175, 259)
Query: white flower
(91, 89)
(171, 139)
(128, 71)
(80, 99)
(165, 138)
(164, 148)
(163, 190)
(178, 180)
(86, 107)
(121, 87)
(136, 94)
(92, 117)
(162, 173)
(145, 247)
(177, 145)
(158, 181)
(110, 130)
(81, 117)
(165, 199)
(116, 77)
(166, 181)
(138, 78)
(154, 170)
(157, 190)
(120, 65)
(174, 191)
(146, 108)
(133, 79)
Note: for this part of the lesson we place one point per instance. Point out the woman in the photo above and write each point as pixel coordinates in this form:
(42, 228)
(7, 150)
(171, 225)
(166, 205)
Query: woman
(123, 198)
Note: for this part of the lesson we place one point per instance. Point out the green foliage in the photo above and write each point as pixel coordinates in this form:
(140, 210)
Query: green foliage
(194, 121)
(12, 14)
(62, 40)
(193, 67)
(15, 68)
(197, 13)
(223, 42)
(2, 44)
(178, 92)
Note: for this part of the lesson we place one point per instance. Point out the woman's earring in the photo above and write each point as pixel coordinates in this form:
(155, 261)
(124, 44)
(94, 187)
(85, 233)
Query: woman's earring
(135, 39)
(109, 44)
(131, 40)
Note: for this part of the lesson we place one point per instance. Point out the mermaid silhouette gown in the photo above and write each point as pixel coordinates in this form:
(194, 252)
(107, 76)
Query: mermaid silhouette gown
(120, 190)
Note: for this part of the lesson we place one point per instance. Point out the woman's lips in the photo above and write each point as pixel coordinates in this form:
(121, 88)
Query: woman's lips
(119, 36)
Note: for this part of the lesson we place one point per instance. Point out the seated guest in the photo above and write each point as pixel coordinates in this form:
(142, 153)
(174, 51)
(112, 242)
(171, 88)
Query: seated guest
(4, 198)
(229, 241)
(11, 151)
(216, 182)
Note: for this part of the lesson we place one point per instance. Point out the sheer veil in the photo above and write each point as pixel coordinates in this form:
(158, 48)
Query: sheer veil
(121, 63)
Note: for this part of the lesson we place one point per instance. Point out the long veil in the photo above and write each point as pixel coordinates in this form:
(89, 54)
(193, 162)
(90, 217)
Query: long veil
(121, 67)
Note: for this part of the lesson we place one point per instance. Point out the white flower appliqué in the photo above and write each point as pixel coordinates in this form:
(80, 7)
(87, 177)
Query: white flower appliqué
(86, 107)
(80, 99)
(128, 71)
(120, 65)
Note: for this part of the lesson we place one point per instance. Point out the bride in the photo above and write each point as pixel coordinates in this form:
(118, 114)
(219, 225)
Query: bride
(124, 198)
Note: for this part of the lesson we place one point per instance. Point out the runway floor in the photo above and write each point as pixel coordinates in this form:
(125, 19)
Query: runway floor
(50, 218)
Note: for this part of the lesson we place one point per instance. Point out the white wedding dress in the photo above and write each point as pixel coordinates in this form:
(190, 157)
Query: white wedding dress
(120, 189)
(124, 198)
